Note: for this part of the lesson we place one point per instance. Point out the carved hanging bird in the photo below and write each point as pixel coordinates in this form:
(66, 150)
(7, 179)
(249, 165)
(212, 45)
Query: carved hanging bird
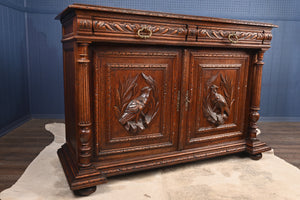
(218, 101)
(135, 107)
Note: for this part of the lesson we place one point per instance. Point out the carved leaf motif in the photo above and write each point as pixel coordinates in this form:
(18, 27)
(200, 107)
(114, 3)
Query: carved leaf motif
(116, 108)
(220, 34)
(136, 110)
(127, 27)
(216, 108)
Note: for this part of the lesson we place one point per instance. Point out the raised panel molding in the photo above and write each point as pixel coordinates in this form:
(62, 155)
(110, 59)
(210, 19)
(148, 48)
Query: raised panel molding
(137, 78)
(233, 66)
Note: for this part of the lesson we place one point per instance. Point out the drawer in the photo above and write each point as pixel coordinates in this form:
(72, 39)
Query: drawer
(138, 30)
(233, 36)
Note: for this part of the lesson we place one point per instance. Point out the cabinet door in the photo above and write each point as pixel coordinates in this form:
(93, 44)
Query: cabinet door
(214, 91)
(135, 101)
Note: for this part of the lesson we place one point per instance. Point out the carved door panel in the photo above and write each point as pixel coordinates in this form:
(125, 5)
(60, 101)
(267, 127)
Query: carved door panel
(213, 101)
(135, 100)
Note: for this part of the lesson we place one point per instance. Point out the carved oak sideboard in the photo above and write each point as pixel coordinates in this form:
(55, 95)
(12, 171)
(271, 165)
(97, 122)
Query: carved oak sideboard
(150, 89)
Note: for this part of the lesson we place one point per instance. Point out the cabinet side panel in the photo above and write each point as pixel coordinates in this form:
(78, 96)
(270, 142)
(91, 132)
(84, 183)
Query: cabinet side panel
(69, 86)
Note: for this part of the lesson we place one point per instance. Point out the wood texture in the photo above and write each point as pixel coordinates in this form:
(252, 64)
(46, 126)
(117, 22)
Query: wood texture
(155, 89)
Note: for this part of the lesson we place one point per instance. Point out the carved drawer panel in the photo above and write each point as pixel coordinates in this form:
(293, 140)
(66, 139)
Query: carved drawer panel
(233, 36)
(135, 87)
(216, 96)
(138, 30)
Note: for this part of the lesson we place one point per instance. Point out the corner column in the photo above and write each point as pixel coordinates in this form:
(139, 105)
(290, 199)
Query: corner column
(84, 107)
(82, 175)
(255, 147)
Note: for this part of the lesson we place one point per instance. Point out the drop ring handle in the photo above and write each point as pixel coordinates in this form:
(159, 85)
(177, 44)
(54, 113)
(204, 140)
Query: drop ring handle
(147, 32)
(233, 38)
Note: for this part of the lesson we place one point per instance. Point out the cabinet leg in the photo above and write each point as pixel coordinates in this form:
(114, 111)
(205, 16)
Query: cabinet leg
(255, 156)
(85, 191)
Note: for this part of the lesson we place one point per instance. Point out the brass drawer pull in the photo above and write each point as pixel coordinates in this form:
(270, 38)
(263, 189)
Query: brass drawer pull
(233, 38)
(144, 32)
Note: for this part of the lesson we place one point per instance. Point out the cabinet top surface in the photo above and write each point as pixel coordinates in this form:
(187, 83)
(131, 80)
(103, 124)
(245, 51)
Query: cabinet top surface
(159, 14)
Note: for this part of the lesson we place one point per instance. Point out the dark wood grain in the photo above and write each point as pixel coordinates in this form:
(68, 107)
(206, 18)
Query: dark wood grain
(20, 146)
(147, 89)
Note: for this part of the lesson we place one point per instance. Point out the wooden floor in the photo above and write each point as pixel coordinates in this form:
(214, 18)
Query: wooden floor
(19, 147)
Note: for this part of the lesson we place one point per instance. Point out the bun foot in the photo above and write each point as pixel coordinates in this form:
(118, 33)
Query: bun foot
(256, 156)
(85, 191)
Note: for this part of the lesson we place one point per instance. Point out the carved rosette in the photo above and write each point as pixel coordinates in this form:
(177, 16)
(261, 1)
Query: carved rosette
(217, 107)
(84, 115)
(136, 105)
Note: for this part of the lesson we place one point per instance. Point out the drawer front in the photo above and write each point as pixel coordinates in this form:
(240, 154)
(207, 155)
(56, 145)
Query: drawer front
(135, 112)
(214, 101)
(233, 36)
(138, 30)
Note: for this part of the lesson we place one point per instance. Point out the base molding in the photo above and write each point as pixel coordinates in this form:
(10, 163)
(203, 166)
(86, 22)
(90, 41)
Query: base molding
(173, 158)
(83, 181)
(78, 178)
(255, 146)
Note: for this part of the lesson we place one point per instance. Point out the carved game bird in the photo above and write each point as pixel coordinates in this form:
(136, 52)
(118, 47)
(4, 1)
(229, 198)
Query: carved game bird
(218, 101)
(135, 107)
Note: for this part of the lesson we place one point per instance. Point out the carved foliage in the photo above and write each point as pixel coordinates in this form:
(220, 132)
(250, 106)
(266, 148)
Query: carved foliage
(133, 28)
(136, 107)
(84, 24)
(221, 34)
(217, 107)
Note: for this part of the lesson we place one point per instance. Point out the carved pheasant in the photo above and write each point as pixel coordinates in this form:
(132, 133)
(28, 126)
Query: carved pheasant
(218, 101)
(135, 107)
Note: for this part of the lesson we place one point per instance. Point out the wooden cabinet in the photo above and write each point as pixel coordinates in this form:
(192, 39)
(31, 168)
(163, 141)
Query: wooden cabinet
(149, 89)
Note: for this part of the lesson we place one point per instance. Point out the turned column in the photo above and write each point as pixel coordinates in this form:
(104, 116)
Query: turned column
(84, 106)
(254, 146)
(255, 100)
